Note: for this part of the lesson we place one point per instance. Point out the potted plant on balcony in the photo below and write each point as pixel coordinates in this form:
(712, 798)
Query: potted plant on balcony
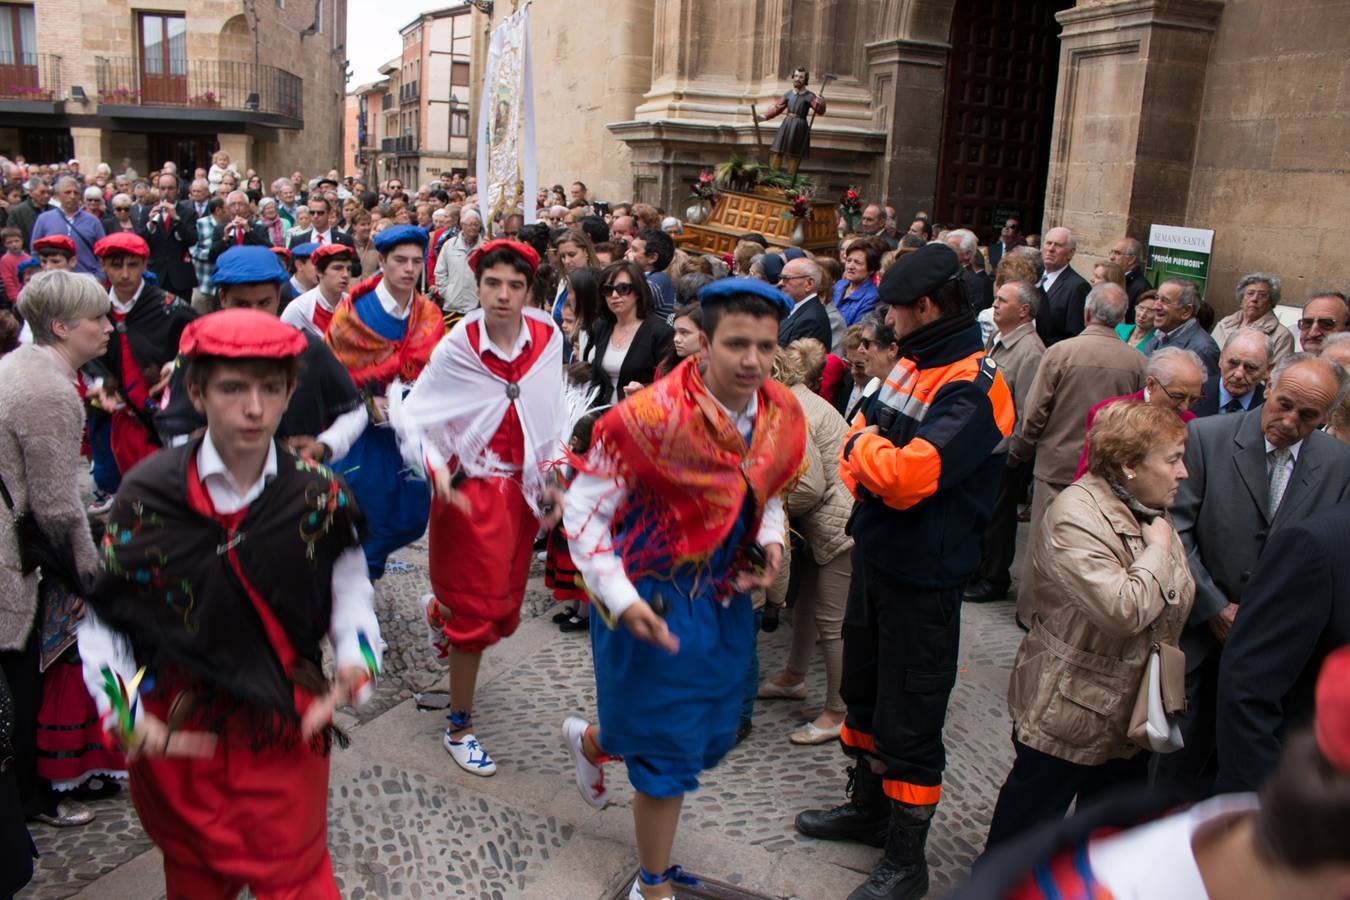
(206, 98)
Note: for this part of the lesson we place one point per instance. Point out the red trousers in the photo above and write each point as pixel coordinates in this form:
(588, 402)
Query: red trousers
(183, 882)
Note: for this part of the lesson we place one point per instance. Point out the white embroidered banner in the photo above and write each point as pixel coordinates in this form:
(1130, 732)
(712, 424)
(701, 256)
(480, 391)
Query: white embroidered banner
(506, 160)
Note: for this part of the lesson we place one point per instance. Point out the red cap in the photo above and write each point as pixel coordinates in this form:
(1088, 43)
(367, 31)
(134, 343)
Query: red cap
(241, 334)
(524, 251)
(282, 252)
(1332, 717)
(332, 248)
(59, 242)
(122, 243)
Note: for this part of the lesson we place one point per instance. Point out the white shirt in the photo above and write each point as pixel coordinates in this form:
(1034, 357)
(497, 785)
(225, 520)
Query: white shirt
(1156, 861)
(353, 607)
(391, 305)
(589, 509)
(299, 313)
(123, 308)
(1293, 449)
(522, 341)
(1050, 277)
(612, 365)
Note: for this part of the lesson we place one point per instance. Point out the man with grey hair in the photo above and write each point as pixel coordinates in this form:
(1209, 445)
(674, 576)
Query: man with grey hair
(1129, 255)
(872, 223)
(1075, 374)
(455, 281)
(1248, 475)
(1326, 312)
(1017, 349)
(1064, 289)
(1176, 325)
(800, 280)
(70, 218)
(976, 285)
(1337, 349)
(1244, 364)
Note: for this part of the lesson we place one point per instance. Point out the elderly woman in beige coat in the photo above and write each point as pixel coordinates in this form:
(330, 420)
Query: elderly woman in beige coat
(818, 509)
(1110, 579)
(41, 420)
(1257, 295)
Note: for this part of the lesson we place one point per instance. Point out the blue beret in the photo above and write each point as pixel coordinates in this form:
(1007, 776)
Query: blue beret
(792, 253)
(302, 251)
(30, 263)
(400, 234)
(773, 267)
(248, 264)
(726, 288)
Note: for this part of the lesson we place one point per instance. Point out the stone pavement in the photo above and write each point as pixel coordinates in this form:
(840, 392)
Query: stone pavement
(405, 822)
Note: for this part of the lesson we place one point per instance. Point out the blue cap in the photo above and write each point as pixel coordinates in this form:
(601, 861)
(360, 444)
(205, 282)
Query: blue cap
(773, 267)
(30, 263)
(248, 264)
(302, 251)
(726, 288)
(400, 234)
(792, 253)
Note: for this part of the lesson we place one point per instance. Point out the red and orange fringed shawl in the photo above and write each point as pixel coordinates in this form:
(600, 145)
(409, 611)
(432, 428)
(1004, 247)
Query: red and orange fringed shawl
(674, 444)
(373, 359)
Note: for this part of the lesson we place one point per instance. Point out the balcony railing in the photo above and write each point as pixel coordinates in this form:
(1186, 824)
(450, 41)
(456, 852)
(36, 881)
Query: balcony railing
(405, 144)
(202, 84)
(34, 77)
(410, 92)
(387, 102)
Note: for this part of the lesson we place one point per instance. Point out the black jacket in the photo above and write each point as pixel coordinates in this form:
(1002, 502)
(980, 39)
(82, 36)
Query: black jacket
(1295, 610)
(1209, 406)
(339, 237)
(169, 248)
(652, 343)
(1061, 314)
(810, 320)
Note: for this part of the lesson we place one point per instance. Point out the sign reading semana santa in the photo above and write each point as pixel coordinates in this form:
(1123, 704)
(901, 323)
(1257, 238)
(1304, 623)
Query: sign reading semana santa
(1178, 252)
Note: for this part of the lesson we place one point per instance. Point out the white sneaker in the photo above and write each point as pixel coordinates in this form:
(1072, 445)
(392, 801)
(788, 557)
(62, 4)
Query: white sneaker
(635, 893)
(468, 755)
(590, 777)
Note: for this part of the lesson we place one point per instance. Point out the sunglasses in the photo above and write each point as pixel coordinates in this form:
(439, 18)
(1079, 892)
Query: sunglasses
(1323, 324)
(623, 290)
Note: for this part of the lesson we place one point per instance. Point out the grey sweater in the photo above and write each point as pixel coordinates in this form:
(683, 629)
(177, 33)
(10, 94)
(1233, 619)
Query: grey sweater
(41, 419)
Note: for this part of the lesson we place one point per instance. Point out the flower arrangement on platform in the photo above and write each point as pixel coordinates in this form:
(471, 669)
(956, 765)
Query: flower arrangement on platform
(850, 206)
(705, 188)
(800, 200)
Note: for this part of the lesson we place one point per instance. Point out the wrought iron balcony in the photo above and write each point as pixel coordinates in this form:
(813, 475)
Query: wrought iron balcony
(405, 144)
(30, 78)
(410, 92)
(201, 89)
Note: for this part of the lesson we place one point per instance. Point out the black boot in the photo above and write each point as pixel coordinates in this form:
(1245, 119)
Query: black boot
(902, 873)
(863, 818)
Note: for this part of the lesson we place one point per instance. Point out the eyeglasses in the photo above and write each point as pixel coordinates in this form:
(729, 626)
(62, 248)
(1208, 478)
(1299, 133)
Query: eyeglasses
(623, 289)
(1186, 400)
(1322, 324)
(791, 277)
(122, 209)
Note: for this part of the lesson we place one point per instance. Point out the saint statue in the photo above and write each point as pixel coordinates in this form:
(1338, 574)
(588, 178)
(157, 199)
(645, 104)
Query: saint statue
(793, 140)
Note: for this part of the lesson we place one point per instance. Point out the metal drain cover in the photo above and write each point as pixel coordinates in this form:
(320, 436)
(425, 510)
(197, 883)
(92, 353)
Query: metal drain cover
(706, 889)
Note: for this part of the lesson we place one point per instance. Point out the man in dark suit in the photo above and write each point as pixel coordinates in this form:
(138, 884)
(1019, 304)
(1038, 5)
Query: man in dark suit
(1249, 475)
(321, 230)
(800, 281)
(1065, 291)
(1009, 237)
(1129, 255)
(976, 285)
(170, 228)
(1296, 611)
(1244, 363)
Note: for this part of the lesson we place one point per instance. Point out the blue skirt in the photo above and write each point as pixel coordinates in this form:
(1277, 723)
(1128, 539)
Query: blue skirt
(671, 717)
(396, 503)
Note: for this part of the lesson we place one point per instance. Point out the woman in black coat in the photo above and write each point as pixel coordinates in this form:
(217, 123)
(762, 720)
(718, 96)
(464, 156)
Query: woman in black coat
(630, 340)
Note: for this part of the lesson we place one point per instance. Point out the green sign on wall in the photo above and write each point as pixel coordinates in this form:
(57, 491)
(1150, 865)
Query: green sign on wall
(1178, 252)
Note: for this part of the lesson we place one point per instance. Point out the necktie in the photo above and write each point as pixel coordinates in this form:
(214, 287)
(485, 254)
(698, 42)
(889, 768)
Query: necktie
(1279, 477)
(1234, 405)
(318, 238)
(1045, 279)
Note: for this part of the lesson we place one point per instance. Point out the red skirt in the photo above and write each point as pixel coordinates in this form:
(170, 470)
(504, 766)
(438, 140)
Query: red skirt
(257, 817)
(480, 562)
(69, 736)
(560, 572)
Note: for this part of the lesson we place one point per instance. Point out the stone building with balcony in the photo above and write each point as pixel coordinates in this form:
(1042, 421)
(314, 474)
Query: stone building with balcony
(1103, 115)
(156, 80)
(416, 119)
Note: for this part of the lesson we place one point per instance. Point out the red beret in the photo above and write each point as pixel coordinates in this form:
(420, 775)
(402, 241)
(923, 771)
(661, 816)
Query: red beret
(58, 242)
(241, 334)
(524, 251)
(122, 243)
(332, 248)
(1332, 715)
(282, 252)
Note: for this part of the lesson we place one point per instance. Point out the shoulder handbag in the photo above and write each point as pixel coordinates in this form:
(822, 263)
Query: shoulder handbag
(1161, 698)
(36, 550)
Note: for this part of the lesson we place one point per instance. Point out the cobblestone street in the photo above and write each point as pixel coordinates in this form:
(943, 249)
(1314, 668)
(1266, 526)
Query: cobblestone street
(405, 822)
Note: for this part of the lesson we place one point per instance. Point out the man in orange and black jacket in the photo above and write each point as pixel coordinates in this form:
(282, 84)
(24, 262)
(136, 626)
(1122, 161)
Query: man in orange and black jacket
(923, 458)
